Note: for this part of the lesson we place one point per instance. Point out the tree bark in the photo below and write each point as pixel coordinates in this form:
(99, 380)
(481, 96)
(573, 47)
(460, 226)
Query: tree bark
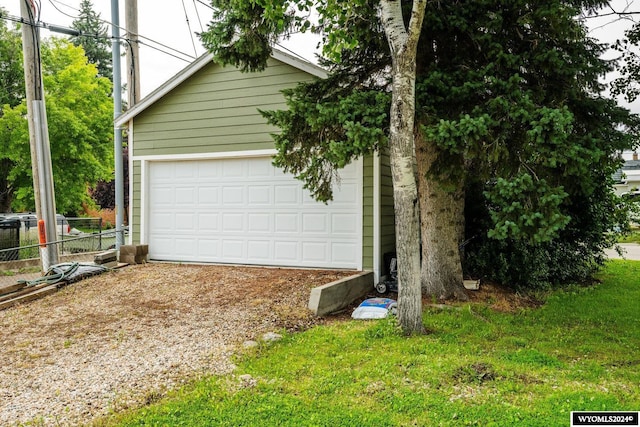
(403, 44)
(442, 226)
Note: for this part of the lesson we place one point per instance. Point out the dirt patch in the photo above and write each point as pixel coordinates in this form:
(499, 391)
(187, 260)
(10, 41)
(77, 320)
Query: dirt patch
(111, 341)
(502, 298)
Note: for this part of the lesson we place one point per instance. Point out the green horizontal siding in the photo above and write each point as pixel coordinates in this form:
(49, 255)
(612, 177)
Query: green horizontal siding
(134, 225)
(367, 214)
(215, 110)
(387, 212)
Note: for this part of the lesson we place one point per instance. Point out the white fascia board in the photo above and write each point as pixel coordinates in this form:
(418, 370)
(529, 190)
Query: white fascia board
(299, 63)
(165, 88)
(205, 156)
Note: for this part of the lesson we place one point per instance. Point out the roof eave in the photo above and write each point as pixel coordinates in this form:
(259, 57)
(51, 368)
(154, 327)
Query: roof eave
(197, 65)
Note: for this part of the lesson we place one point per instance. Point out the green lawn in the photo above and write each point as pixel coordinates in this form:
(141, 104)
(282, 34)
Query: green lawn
(580, 351)
(632, 237)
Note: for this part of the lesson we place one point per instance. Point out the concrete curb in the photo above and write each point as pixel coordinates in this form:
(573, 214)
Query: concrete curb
(337, 295)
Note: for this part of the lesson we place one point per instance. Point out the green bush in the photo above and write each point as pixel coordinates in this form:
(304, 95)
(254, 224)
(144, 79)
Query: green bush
(573, 256)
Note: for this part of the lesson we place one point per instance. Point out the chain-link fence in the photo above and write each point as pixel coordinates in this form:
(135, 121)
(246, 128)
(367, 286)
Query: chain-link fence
(79, 239)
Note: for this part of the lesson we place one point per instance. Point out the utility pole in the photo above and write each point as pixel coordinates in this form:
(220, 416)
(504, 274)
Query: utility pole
(133, 57)
(117, 132)
(39, 135)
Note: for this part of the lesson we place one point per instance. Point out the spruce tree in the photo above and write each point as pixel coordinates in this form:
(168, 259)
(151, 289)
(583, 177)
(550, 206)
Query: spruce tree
(509, 110)
(93, 39)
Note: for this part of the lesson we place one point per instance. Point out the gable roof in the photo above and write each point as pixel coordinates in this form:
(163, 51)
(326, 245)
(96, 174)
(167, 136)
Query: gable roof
(200, 63)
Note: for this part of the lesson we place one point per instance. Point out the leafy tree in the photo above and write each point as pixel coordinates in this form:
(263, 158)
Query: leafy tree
(11, 94)
(93, 39)
(79, 112)
(508, 110)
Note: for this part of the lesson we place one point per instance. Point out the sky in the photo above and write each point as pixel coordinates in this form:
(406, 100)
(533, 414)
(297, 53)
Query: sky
(170, 42)
(163, 24)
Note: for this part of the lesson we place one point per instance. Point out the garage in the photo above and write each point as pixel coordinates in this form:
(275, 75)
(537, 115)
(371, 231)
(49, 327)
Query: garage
(246, 211)
(203, 188)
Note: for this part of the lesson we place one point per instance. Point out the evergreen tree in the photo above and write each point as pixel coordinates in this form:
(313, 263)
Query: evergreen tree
(509, 110)
(94, 39)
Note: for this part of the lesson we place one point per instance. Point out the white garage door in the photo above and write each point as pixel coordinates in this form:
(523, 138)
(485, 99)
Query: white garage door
(245, 211)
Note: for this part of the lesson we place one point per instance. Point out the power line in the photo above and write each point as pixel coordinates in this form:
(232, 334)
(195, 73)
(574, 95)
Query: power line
(203, 3)
(150, 42)
(71, 31)
(195, 51)
(195, 6)
(64, 13)
(124, 29)
(167, 53)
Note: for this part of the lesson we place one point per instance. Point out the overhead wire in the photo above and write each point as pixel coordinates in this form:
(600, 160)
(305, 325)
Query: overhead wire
(186, 16)
(52, 2)
(195, 6)
(205, 4)
(191, 58)
(143, 40)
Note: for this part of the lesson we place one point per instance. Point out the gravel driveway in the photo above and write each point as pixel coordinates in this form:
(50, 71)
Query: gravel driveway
(122, 339)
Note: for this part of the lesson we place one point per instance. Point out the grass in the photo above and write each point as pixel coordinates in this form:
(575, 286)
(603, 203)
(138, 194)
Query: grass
(632, 237)
(580, 351)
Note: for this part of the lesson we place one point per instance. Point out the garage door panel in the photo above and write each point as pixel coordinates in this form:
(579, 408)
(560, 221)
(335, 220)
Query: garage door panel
(233, 195)
(208, 171)
(345, 195)
(315, 252)
(343, 252)
(315, 223)
(208, 195)
(232, 222)
(247, 211)
(165, 197)
(185, 171)
(163, 222)
(163, 247)
(208, 249)
(286, 223)
(343, 223)
(186, 222)
(286, 251)
(259, 223)
(258, 168)
(259, 250)
(259, 195)
(186, 197)
(208, 222)
(185, 248)
(287, 195)
(162, 172)
(233, 168)
(233, 250)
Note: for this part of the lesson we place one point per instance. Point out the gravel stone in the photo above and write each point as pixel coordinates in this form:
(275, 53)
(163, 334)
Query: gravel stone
(271, 336)
(124, 338)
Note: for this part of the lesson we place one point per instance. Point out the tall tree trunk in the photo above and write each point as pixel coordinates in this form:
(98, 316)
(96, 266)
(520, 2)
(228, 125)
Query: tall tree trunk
(403, 44)
(442, 226)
